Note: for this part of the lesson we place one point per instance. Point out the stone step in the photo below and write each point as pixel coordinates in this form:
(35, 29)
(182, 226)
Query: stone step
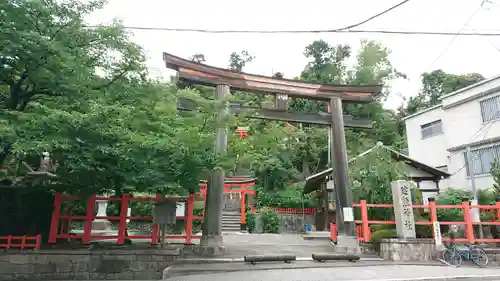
(232, 219)
(231, 213)
(231, 227)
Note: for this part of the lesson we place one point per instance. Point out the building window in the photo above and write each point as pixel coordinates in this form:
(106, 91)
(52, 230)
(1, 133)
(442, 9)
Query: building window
(481, 159)
(431, 129)
(443, 168)
(490, 109)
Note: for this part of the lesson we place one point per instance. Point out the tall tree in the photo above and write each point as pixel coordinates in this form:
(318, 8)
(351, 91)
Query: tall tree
(436, 84)
(81, 96)
(237, 61)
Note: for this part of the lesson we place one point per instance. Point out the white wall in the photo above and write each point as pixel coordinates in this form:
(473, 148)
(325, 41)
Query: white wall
(462, 124)
(464, 121)
(430, 151)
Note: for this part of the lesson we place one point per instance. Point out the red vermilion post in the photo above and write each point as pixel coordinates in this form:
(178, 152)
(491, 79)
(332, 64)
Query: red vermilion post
(38, 241)
(497, 204)
(23, 241)
(156, 228)
(189, 219)
(243, 210)
(56, 214)
(333, 232)
(122, 228)
(365, 226)
(469, 230)
(89, 217)
(432, 214)
(9, 241)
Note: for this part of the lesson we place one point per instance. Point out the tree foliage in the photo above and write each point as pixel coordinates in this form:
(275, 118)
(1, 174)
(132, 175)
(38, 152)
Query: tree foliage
(436, 84)
(81, 96)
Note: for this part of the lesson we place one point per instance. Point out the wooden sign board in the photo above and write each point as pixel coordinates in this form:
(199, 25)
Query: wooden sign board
(164, 212)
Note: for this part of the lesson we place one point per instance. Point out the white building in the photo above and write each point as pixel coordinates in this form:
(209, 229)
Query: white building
(439, 136)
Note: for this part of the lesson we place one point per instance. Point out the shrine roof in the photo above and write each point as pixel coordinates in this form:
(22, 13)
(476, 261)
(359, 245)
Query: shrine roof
(235, 180)
(313, 182)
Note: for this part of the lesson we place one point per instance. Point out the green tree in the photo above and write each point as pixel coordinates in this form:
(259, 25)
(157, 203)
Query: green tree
(436, 84)
(237, 61)
(82, 96)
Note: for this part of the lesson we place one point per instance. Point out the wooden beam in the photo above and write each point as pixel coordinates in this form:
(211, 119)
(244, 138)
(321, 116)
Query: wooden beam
(321, 118)
(197, 73)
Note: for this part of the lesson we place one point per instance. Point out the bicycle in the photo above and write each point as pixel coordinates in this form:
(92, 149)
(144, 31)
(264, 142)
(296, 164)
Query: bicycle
(455, 256)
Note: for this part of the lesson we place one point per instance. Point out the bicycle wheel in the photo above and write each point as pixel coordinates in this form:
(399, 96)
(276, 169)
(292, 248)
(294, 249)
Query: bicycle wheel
(479, 256)
(452, 257)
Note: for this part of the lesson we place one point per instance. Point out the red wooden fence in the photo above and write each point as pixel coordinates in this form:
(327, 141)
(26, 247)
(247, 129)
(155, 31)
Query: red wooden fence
(58, 219)
(364, 231)
(295, 211)
(22, 242)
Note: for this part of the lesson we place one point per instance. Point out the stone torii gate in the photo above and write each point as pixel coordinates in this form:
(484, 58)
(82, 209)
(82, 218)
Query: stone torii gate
(224, 80)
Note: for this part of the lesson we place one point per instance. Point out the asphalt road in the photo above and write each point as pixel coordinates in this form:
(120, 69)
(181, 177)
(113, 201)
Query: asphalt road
(355, 273)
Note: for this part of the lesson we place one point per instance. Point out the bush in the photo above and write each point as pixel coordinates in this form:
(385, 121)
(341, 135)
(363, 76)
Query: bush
(382, 234)
(25, 211)
(250, 221)
(271, 222)
(290, 197)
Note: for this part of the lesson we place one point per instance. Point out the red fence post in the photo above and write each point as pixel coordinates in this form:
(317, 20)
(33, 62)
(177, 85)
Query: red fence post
(497, 204)
(243, 210)
(156, 228)
(469, 230)
(89, 217)
(23, 241)
(333, 232)
(365, 226)
(122, 228)
(9, 241)
(432, 214)
(38, 241)
(189, 219)
(56, 214)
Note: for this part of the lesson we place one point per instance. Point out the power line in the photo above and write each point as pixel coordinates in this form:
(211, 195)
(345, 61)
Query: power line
(375, 16)
(455, 37)
(372, 31)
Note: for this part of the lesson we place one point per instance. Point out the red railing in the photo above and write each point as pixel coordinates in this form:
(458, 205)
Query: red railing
(364, 230)
(59, 219)
(22, 242)
(291, 211)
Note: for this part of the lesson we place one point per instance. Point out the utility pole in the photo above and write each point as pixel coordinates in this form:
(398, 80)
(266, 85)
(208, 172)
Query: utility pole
(474, 212)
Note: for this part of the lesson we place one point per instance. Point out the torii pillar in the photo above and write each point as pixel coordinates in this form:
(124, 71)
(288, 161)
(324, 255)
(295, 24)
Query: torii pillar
(346, 227)
(211, 239)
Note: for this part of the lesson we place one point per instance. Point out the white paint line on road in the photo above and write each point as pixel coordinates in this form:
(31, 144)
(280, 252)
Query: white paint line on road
(242, 260)
(442, 278)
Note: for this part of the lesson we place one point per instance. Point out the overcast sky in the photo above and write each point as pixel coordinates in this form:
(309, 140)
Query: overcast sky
(283, 52)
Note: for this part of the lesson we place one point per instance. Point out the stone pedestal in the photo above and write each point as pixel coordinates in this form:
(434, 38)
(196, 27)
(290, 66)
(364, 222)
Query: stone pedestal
(396, 249)
(101, 224)
(210, 246)
(347, 244)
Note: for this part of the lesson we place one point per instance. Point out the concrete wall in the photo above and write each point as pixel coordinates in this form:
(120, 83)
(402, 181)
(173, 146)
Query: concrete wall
(85, 264)
(294, 223)
(395, 249)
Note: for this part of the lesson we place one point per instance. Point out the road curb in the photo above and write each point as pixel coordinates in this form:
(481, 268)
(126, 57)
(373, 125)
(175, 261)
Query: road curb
(213, 268)
(447, 278)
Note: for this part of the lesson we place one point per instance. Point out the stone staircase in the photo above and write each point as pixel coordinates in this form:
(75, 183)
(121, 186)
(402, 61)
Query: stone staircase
(231, 221)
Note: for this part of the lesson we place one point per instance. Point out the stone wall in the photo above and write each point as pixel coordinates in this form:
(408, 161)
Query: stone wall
(395, 249)
(294, 222)
(85, 264)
